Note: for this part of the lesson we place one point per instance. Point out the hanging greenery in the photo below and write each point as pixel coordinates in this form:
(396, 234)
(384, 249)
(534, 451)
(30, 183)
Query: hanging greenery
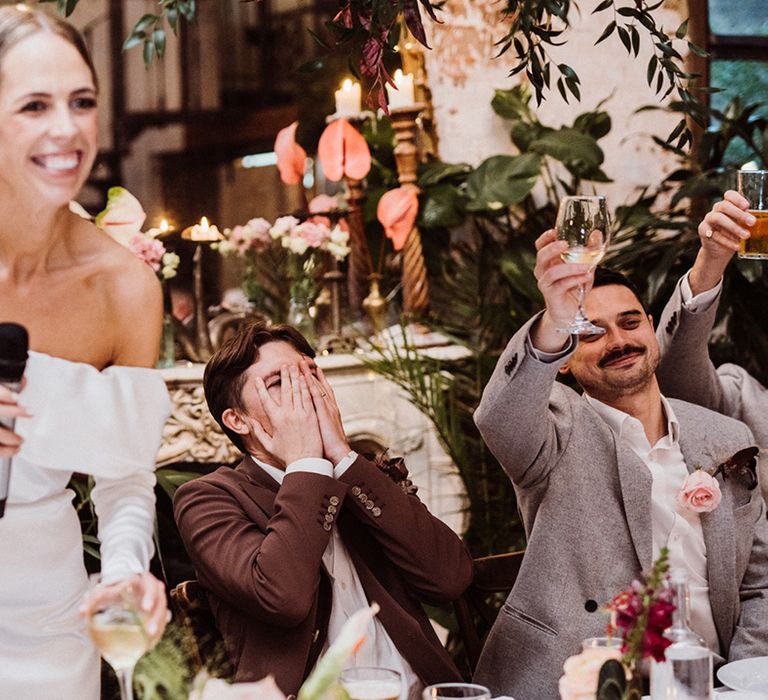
(366, 31)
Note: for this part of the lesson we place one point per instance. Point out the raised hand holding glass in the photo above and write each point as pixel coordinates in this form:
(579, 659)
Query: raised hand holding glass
(584, 224)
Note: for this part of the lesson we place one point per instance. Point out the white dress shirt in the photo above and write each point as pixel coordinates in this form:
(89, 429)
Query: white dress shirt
(675, 527)
(348, 595)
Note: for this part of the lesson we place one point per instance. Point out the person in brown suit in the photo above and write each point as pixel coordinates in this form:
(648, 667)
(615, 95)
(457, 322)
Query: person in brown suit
(304, 531)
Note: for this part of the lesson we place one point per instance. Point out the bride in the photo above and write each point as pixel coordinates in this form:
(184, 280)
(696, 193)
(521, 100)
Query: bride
(90, 402)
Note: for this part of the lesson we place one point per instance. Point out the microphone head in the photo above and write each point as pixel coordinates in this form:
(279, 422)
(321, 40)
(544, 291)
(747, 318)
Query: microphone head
(14, 346)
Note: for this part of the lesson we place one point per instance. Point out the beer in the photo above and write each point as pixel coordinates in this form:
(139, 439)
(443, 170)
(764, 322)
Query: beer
(756, 246)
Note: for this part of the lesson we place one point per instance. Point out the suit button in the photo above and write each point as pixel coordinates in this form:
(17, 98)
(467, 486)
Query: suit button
(376, 512)
(369, 505)
(327, 527)
(363, 498)
(590, 606)
(334, 500)
(331, 509)
(356, 490)
(328, 518)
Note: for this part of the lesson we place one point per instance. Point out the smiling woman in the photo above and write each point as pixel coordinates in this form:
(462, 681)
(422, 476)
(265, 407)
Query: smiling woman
(90, 402)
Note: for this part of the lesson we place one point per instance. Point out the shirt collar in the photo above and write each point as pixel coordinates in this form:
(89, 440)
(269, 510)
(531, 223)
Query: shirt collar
(621, 423)
(277, 474)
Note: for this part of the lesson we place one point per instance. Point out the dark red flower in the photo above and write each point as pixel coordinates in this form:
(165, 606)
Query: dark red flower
(653, 644)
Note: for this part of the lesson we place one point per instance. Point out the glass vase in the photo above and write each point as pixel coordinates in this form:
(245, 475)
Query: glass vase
(301, 315)
(167, 354)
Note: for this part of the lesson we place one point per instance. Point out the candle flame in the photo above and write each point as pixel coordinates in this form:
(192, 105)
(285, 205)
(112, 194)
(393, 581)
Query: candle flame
(347, 85)
(164, 226)
(398, 77)
(204, 225)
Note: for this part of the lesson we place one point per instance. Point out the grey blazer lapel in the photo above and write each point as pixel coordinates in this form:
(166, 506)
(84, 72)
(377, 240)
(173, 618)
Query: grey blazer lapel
(635, 479)
(717, 526)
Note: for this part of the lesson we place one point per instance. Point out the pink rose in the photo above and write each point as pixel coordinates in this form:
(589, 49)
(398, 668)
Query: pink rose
(579, 682)
(700, 492)
(149, 250)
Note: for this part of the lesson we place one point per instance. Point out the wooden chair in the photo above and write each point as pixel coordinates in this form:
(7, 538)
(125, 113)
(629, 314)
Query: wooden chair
(190, 604)
(478, 607)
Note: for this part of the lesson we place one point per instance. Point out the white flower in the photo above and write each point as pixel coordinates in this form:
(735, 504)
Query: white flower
(123, 216)
(338, 250)
(170, 263)
(339, 235)
(296, 244)
(283, 226)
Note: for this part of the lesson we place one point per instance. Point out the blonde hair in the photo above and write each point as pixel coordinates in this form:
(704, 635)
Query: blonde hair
(19, 21)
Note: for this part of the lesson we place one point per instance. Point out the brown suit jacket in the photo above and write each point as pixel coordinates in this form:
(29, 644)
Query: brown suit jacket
(257, 548)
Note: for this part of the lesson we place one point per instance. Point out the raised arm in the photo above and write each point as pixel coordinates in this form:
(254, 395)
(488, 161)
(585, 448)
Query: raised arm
(518, 412)
(686, 371)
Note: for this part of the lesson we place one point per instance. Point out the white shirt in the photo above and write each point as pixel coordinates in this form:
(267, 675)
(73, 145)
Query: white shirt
(347, 593)
(675, 527)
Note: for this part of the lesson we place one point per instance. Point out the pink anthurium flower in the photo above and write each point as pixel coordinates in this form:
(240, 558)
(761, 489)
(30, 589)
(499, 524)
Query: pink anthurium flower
(343, 152)
(397, 212)
(291, 158)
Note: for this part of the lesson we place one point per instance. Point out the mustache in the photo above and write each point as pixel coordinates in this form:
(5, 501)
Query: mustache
(618, 353)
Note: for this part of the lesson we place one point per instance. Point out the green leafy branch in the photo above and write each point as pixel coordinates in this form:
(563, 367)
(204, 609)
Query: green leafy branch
(149, 31)
(664, 74)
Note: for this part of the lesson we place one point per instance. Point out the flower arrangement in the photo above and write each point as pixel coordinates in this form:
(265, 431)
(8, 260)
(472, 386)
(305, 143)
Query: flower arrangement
(639, 617)
(298, 240)
(122, 219)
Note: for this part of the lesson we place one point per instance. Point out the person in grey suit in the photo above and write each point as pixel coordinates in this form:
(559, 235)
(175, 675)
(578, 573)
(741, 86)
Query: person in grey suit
(596, 478)
(685, 370)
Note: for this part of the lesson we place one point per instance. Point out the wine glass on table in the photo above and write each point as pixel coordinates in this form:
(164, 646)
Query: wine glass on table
(117, 628)
(371, 683)
(448, 691)
(584, 224)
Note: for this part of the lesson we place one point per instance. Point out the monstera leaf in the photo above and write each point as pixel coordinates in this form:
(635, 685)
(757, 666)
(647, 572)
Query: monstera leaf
(501, 181)
(569, 146)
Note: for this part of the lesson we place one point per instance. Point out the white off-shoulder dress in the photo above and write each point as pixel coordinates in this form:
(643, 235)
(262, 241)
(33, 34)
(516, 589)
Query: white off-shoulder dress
(107, 424)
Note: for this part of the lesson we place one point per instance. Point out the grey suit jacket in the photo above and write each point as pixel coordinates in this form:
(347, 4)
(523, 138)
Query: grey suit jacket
(585, 501)
(686, 372)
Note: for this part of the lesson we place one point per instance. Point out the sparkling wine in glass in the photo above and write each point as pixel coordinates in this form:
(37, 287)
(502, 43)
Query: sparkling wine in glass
(117, 629)
(583, 222)
(371, 683)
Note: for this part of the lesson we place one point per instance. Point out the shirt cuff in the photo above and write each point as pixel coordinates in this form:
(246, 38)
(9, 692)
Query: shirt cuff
(312, 465)
(344, 464)
(550, 357)
(700, 302)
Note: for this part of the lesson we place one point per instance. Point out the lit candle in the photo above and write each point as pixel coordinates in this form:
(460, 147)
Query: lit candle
(401, 94)
(164, 226)
(348, 99)
(202, 232)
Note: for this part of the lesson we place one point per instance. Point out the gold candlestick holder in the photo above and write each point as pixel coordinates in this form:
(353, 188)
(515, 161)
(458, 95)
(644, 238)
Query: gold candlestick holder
(375, 304)
(414, 274)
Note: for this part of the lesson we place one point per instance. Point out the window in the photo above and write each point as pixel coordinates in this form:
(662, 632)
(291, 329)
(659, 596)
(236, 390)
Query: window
(736, 35)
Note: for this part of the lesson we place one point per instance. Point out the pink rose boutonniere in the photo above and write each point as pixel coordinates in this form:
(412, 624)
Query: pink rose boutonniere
(700, 492)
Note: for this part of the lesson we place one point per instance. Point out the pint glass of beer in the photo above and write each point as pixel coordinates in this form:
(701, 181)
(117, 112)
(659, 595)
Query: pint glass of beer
(753, 185)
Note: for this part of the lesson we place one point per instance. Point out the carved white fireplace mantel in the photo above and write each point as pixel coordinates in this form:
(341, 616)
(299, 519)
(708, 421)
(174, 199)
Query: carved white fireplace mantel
(374, 410)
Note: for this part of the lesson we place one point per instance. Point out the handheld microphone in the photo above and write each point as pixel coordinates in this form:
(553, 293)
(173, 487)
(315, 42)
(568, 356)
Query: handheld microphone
(14, 344)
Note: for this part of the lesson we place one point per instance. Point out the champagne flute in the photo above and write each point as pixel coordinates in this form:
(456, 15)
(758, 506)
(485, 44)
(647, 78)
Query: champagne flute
(371, 683)
(116, 626)
(583, 222)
